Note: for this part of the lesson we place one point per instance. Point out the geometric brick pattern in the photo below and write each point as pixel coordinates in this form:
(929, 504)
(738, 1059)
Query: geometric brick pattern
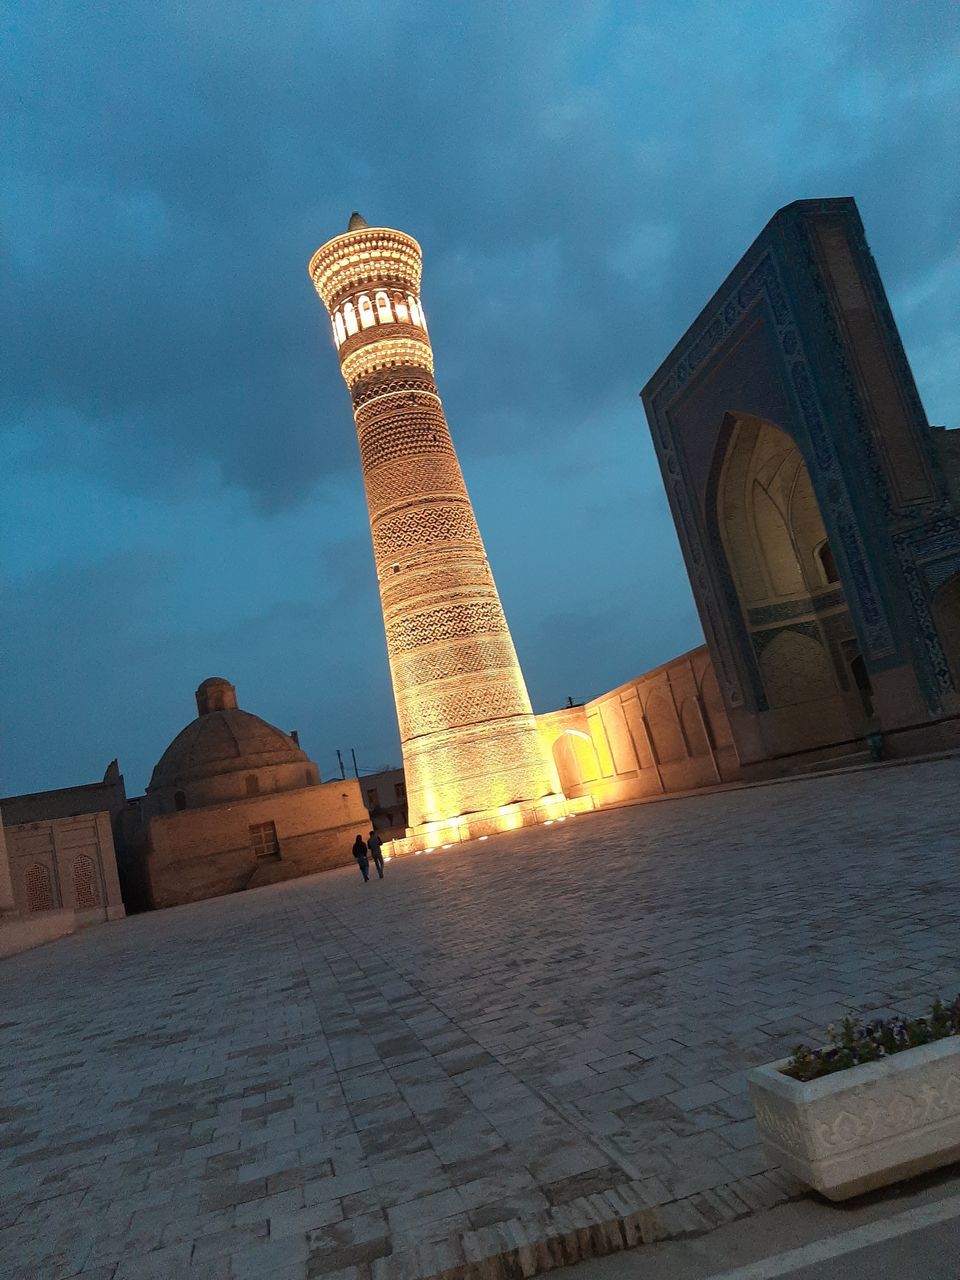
(453, 660)
(452, 622)
(459, 580)
(389, 485)
(470, 743)
(423, 524)
(85, 882)
(39, 888)
(406, 435)
(475, 704)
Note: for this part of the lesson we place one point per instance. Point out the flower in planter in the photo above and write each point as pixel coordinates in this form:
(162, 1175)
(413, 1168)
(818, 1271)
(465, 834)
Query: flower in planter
(855, 1043)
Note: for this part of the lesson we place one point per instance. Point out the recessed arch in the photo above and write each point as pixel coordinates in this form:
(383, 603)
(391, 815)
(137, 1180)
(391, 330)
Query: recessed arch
(576, 759)
(365, 310)
(783, 573)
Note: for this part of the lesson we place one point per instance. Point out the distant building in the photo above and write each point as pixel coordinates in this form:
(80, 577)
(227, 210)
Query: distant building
(234, 803)
(385, 795)
(58, 864)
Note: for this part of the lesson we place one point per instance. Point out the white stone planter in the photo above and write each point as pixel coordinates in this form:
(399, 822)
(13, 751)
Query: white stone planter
(868, 1126)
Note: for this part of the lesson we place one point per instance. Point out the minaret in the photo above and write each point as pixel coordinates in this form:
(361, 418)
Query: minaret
(471, 751)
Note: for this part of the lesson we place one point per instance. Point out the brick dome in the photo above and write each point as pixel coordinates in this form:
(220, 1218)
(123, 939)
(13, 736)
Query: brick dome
(224, 741)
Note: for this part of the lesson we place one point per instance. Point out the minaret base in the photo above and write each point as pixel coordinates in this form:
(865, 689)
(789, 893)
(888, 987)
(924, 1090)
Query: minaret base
(436, 837)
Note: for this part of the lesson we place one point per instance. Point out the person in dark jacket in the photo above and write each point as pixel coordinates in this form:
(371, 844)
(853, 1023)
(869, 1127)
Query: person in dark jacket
(375, 845)
(360, 853)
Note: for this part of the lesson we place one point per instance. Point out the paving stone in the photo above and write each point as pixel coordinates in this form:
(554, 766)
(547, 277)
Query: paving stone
(186, 1080)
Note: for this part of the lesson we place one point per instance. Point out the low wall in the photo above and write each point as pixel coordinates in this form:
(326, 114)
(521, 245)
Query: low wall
(664, 732)
(21, 933)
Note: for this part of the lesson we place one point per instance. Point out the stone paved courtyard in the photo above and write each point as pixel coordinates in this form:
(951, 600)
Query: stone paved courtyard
(331, 1077)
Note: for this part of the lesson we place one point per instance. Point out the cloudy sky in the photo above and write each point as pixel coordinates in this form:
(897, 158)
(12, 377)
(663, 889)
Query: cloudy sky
(182, 493)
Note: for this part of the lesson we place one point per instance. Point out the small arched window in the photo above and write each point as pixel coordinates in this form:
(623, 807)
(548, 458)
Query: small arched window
(39, 888)
(384, 314)
(365, 307)
(179, 800)
(414, 309)
(85, 882)
(350, 317)
(252, 784)
(423, 318)
(339, 329)
(828, 566)
(400, 307)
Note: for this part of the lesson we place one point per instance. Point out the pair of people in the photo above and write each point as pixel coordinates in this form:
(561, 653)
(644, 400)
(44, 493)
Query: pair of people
(373, 846)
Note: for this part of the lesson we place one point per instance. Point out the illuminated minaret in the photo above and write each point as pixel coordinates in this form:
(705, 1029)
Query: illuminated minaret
(470, 743)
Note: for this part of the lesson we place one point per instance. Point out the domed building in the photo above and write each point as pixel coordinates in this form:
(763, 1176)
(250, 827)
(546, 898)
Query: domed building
(226, 754)
(234, 803)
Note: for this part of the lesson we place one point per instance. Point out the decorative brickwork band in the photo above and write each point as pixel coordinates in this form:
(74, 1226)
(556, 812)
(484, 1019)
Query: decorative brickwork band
(469, 739)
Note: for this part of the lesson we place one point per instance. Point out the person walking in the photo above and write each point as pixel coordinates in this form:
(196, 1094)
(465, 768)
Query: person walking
(375, 845)
(360, 853)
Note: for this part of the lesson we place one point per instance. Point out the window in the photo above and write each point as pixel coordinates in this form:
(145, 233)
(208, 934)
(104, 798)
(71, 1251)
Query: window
(350, 317)
(252, 784)
(400, 307)
(263, 840)
(400, 790)
(85, 882)
(39, 888)
(365, 307)
(414, 309)
(384, 314)
(339, 329)
(179, 800)
(372, 798)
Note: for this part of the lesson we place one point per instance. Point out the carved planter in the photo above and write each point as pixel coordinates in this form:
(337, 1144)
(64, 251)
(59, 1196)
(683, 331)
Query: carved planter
(868, 1126)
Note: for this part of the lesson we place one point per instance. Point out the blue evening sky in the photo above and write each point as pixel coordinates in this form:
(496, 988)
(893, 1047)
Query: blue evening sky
(181, 487)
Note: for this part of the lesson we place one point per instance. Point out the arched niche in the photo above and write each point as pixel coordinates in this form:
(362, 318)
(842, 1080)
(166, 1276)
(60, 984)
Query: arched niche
(664, 727)
(576, 759)
(781, 564)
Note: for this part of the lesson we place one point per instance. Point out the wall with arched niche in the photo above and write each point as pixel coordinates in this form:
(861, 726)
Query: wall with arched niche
(795, 615)
(666, 731)
(65, 863)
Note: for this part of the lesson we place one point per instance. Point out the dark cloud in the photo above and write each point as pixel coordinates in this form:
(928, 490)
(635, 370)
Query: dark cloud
(581, 178)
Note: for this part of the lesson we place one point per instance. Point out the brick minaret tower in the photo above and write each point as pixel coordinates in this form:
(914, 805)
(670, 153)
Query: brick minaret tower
(470, 742)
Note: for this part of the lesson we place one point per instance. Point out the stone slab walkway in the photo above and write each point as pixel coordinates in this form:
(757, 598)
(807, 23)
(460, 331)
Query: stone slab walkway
(499, 1059)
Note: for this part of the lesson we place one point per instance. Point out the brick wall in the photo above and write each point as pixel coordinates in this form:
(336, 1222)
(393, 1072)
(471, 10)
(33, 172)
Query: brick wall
(665, 731)
(202, 853)
(66, 862)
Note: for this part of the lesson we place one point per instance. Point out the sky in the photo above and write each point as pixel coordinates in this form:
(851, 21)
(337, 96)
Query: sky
(181, 484)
